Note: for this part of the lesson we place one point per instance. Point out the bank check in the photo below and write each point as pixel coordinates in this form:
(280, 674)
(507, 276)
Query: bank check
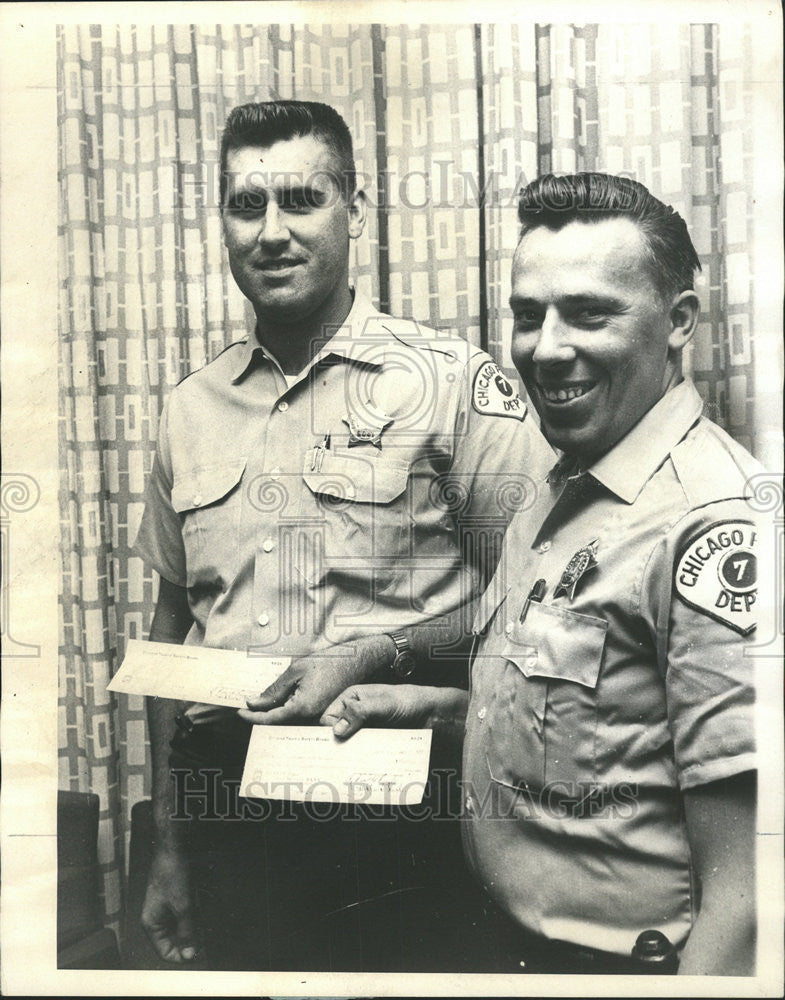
(308, 764)
(195, 673)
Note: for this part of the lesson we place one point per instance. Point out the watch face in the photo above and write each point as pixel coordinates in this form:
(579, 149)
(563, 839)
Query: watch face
(403, 665)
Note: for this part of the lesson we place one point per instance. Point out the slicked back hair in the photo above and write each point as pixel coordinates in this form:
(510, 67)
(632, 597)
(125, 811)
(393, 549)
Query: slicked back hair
(554, 201)
(264, 123)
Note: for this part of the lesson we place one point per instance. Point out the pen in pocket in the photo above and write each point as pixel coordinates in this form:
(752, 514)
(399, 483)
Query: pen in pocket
(536, 595)
(318, 453)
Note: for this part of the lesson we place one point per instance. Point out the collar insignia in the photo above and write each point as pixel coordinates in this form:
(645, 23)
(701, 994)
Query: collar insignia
(583, 560)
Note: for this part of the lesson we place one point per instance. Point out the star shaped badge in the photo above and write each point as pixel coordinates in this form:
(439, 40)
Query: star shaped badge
(365, 433)
(583, 560)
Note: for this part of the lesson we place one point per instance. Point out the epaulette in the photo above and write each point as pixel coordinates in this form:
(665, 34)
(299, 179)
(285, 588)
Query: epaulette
(411, 333)
(711, 466)
(201, 368)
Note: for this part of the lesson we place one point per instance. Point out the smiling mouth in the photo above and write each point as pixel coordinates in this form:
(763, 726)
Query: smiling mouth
(277, 265)
(565, 393)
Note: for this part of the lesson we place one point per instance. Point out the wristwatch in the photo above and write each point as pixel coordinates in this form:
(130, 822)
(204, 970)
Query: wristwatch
(403, 664)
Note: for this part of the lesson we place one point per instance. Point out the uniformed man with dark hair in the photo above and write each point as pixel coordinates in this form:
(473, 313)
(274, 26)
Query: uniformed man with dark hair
(609, 754)
(318, 489)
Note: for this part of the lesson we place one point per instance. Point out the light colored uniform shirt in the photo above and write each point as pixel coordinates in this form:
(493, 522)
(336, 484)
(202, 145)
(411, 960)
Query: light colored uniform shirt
(368, 495)
(594, 708)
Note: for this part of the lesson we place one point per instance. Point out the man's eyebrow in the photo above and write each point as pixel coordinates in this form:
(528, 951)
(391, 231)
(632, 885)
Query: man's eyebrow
(244, 195)
(592, 298)
(309, 193)
(606, 299)
(305, 192)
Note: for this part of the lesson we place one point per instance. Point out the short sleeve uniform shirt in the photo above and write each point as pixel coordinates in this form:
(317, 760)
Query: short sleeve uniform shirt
(621, 683)
(369, 494)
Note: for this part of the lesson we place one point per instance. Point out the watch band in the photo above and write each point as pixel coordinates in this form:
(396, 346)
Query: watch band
(402, 644)
(403, 664)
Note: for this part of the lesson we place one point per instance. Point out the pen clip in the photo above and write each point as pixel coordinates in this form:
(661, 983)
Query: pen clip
(318, 453)
(536, 595)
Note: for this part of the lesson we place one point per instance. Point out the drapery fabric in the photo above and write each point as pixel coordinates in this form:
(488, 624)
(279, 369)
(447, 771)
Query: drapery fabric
(448, 123)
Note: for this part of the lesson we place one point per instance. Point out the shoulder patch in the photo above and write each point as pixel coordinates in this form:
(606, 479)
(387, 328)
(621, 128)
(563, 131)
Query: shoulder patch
(492, 393)
(717, 574)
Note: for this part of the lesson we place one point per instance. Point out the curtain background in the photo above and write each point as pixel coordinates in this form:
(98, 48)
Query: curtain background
(448, 122)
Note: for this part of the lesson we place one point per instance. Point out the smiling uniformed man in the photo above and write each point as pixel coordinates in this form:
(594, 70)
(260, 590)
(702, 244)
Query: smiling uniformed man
(318, 489)
(609, 758)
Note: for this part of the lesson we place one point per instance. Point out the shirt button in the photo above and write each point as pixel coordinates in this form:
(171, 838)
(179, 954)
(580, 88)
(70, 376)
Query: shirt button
(197, 500)
(268, 545)
(263, 619)
(469, 804)
(544, 546)
(283, 406)
(275, 474)
(508, 628)
(482, 713)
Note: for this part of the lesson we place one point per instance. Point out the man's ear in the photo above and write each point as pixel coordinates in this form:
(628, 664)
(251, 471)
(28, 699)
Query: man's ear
(358, 212)
(684, 313)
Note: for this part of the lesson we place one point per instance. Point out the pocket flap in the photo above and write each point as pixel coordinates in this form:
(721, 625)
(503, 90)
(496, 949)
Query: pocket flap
(200, 487)
(362, 479)
(558, 644)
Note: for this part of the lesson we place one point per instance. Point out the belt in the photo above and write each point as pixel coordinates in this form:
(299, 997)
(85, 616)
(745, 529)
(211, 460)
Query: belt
(549, 956)
(524, 951)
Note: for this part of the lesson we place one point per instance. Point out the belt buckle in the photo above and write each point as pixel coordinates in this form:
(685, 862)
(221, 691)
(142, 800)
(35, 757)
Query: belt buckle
(184, 722)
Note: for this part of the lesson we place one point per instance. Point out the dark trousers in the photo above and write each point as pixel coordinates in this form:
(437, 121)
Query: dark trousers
(517, 950)
(303, 887)
(296, 886)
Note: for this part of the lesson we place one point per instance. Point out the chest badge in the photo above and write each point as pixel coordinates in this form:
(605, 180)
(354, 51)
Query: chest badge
(583, 560)
(365, 433)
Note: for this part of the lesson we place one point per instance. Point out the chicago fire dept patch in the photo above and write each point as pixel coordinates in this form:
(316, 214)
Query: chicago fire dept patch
(717, 574)
(493, 393)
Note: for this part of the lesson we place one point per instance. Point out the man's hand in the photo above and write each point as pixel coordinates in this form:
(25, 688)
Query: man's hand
(379, 705)
(400, 705)
(167, 910)
(307, 687)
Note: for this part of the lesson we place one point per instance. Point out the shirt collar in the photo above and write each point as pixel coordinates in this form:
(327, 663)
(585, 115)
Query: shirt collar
(359, 338)
(628, 466)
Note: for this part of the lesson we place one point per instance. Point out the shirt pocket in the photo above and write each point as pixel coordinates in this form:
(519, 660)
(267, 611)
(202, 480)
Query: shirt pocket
(207, 498)
(357, 510)
(557, 654)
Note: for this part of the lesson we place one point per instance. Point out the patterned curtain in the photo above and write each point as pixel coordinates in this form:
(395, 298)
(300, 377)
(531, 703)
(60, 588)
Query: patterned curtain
(448, 123)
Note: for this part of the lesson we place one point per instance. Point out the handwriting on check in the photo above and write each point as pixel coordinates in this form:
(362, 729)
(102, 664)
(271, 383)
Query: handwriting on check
(307, 764)
(224, 677)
